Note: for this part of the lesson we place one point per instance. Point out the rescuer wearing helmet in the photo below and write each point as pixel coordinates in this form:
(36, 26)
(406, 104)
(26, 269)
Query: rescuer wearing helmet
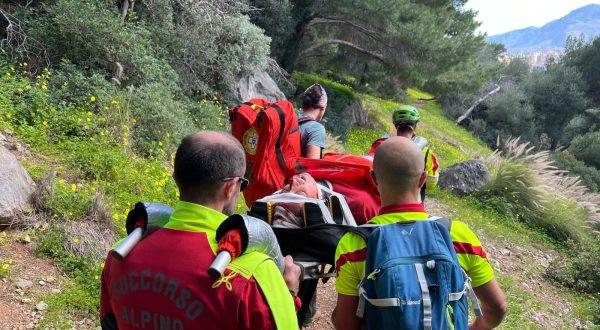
(405, 121)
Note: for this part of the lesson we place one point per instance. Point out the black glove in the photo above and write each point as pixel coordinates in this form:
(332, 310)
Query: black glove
(137, 217)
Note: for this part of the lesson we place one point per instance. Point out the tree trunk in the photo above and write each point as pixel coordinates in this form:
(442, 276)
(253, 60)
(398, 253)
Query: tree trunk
(483, 98)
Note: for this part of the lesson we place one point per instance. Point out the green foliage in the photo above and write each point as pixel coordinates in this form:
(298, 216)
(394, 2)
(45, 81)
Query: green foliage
(512, 190)
(384, 45)
(469, 75)
(159, 117)
(79, 297)
(517, 69)
(590, 176)
(587, 148)
(340, 98)
(209, 45)
(558, 95)
(90, 34)
(507, 113)
(359, 141)
(586, 58)
(275, 17)
(581, 269)
(522, 185)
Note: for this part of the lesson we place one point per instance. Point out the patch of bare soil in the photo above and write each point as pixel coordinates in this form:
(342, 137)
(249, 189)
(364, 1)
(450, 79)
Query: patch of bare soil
(28, 278)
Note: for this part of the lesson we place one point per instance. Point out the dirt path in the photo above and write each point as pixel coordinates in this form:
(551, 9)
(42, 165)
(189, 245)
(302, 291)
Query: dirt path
(29, 277)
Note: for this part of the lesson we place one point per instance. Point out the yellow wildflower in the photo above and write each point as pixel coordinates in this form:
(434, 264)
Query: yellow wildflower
(92, 98)
(73, 187)
(5, 267)
(76, 240)
(44, 87)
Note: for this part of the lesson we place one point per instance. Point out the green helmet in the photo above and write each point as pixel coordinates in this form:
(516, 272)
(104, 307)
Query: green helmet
(406, 114)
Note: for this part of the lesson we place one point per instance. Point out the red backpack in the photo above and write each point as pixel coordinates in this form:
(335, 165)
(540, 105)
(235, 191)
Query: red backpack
(271, 139)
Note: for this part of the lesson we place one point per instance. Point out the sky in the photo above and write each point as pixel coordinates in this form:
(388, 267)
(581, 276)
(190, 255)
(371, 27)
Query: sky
(499, 16)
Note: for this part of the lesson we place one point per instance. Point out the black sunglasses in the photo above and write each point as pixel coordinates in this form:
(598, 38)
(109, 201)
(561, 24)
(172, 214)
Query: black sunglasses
(243, 181)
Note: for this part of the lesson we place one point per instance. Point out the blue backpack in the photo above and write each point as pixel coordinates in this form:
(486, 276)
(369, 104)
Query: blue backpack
(413, 279)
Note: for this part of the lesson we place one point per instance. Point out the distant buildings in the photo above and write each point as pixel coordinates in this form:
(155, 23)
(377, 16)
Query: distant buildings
(535, 58)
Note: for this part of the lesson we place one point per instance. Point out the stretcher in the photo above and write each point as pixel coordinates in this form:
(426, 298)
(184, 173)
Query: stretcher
(313, 246)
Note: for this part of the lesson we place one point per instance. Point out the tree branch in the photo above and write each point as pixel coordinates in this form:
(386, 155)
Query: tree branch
(334, 20)
(312, 48)
(481, 99)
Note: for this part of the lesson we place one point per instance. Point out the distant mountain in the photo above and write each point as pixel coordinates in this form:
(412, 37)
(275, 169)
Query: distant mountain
(553, 35)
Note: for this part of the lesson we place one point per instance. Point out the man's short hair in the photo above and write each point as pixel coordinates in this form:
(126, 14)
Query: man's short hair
(203, 159)
(405, 128)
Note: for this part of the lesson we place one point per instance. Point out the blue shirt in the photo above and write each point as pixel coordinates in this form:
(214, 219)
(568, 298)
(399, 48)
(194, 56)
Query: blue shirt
(312, 133)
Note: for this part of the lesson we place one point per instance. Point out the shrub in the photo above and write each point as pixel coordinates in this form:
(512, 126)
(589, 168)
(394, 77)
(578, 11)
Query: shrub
(590, 176)
(536, 192)
(587, 148)
(159, 117)
(581, 269)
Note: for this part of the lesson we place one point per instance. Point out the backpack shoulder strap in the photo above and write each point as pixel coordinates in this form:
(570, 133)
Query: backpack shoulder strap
(446, 222)
(364, 231)
(305, 119)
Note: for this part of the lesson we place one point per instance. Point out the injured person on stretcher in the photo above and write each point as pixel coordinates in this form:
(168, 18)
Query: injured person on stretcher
(304, 201)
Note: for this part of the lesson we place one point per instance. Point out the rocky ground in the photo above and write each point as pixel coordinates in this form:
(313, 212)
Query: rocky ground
(29, 278)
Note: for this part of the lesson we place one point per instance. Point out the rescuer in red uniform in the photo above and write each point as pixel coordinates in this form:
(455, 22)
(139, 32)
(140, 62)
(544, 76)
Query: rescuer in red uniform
(164, 282)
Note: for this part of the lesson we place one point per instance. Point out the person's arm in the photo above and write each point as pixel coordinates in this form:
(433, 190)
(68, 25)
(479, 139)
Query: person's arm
(316, 141)
(344, 314)
(313, 152)
(432, 166)
(493, 306)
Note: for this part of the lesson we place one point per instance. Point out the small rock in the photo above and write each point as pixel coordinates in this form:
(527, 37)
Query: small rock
(56, 291)
(31, 325)
(50, 279)
(41, 306)
(25, 300)
(23, 284)
(505, 252)
(42, 283)
(26, 239)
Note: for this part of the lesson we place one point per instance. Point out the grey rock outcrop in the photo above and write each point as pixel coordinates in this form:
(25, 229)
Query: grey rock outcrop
(258, 84)
(16, 187)
(464, 178)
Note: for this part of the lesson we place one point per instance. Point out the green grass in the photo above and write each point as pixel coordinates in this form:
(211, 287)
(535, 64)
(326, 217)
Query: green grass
(451, 143)
(496, 229)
